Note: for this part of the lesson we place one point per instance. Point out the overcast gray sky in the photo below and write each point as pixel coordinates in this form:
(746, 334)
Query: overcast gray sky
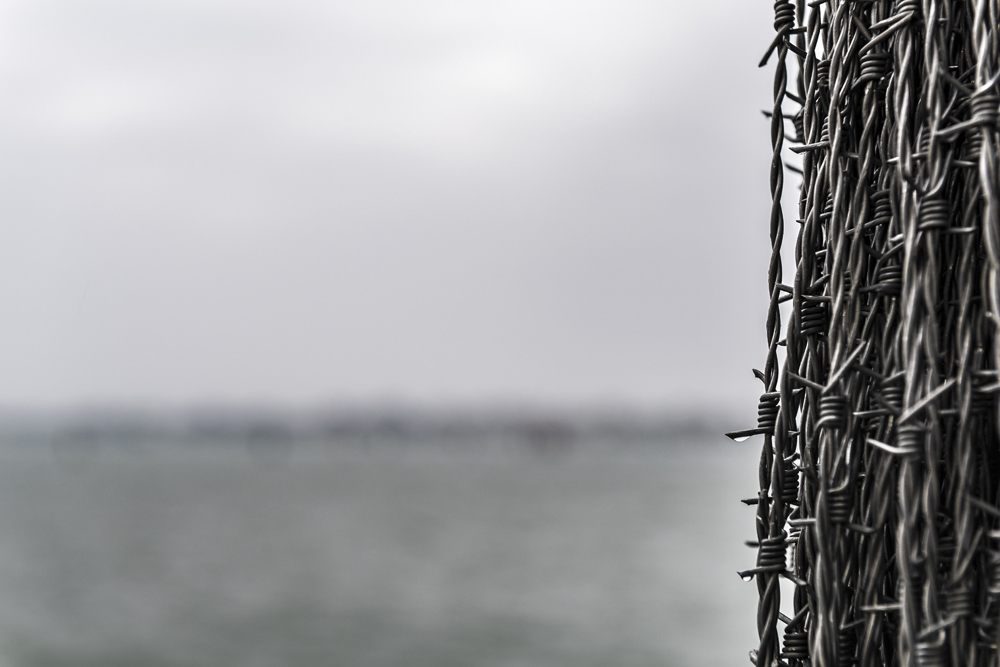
(430, 201)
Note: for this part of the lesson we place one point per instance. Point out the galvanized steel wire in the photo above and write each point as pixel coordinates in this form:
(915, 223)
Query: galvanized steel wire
(878, 517)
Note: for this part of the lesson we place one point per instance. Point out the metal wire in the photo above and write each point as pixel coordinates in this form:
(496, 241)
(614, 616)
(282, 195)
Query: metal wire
(880, 464)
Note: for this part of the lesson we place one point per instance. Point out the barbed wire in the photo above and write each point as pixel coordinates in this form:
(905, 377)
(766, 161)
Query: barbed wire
(880, 467)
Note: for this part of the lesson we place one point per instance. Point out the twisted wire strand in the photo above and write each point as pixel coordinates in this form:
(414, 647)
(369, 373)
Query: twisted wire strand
(880, 467)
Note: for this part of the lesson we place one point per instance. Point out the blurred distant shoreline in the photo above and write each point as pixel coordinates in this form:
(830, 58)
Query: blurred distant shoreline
(263, 427)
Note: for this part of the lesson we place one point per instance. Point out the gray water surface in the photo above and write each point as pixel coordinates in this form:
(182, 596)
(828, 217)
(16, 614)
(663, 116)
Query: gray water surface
(418, 556)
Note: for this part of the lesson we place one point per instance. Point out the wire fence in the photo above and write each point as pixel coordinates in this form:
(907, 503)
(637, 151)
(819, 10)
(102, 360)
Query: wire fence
(878, 521)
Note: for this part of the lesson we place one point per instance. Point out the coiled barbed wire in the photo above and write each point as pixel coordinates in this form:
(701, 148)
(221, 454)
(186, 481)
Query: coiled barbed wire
(880, 468)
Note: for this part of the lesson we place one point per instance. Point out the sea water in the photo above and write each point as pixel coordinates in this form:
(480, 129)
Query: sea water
(378, 554)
